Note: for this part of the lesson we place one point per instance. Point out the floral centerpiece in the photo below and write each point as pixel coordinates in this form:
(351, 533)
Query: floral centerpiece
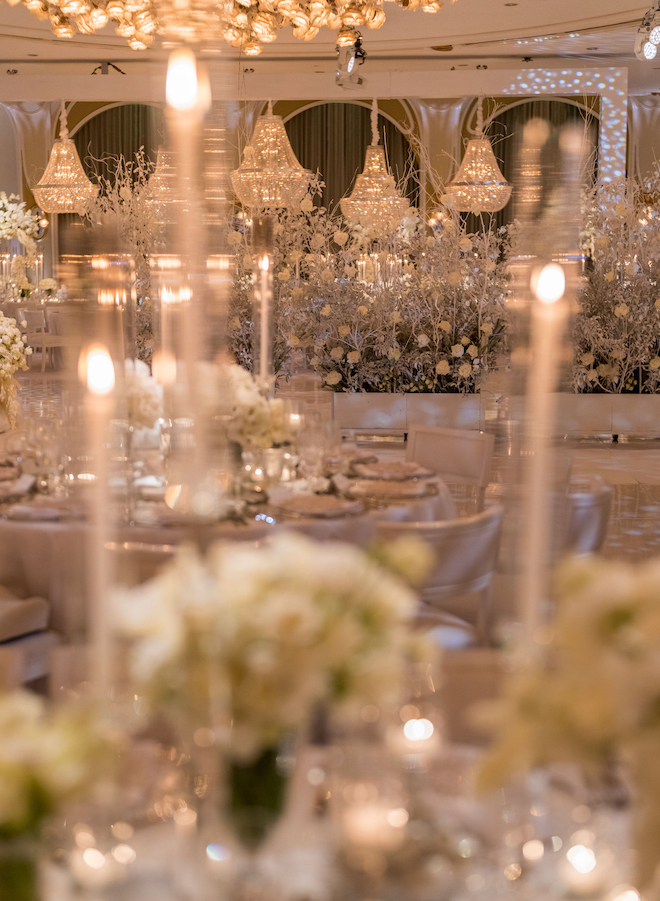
(248, 644)
(18, 222)
(48, 286)
(592, 698)
(46, 759)
(239, 405)
(13, 356)
(144, 395)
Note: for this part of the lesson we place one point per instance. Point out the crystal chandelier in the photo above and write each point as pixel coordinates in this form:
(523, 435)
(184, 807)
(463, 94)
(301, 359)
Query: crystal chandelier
(242, 23)
(479, 186)
(375, 203)
(64, 187)
(270, 176)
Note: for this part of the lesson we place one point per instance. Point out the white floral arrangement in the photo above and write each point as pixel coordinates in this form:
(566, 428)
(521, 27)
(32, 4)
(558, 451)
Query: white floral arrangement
(13, 356)
(144, 395)
(258, 638)
(49, 285)
(47, 758)
(236, 401)
(592, 697)
(617, 326)
(418, 312)
(18, 276)
(18, 222)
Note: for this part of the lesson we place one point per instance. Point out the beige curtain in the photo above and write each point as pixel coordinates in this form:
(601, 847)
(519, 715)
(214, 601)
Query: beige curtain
(332, 139)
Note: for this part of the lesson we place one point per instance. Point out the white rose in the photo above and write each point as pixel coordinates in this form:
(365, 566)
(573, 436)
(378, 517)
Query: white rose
(344, 330)
(234, 238)
(293, 340)
(327, 276)
(621, 310)
(445, 326)
(472, 351)
(393, 354)
(325, 310)
(423, 340)
(362, 310)
(337, 353)
(247, 260)
(609, 277)
(454, 278)
(465, 244)
(587, 359)
(353, 356)
(430, 241)
(395, 317)
(442, 368)
(654, 363)
(465, 369)
(487, 328)
(333, 378)
(307, 206)
(457, 350)
(340, 238)
(284, 275)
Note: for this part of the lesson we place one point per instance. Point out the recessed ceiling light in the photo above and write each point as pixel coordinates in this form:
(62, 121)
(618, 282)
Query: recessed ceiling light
(592, 48)
(443, 49)
(511, 4)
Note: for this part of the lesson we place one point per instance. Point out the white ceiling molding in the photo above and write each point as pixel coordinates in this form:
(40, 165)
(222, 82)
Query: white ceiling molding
(609, 83)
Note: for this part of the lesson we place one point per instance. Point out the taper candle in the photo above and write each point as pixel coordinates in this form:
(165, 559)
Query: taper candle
(98, 372)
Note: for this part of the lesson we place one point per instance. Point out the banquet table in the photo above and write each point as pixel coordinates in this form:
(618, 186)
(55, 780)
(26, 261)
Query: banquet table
(46, 558)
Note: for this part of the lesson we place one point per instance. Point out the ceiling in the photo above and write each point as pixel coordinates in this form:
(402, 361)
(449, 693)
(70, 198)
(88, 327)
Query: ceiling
(466, 34)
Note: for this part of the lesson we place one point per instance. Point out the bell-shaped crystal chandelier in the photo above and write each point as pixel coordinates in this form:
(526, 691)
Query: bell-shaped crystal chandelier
(479, 186)
(270, 176)
(64, 187)
(375, 203)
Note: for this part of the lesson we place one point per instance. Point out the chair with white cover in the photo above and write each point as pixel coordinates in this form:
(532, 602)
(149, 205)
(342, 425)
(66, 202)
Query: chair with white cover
(456, 455)
(465, 552)
(25, 640)
(587, 516)
(39, 337)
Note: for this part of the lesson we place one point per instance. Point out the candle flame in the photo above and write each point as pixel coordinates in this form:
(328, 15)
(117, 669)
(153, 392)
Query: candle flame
(97, 370)
(264, 263)
(549, 283)
(186, 86)
(164, 368)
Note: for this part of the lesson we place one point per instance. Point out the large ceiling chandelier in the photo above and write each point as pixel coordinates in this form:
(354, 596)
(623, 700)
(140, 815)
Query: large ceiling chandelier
(270, 176)
(375, 203)
(242, 23)
(64, 187)
(479, 186)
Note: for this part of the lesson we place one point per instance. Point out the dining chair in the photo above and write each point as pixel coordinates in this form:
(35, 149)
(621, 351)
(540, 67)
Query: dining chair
(587, 518)
(456, 455)
(465, 552)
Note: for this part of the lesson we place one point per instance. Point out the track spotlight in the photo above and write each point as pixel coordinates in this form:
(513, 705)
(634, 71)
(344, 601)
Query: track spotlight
(648, 35)
(349, 58)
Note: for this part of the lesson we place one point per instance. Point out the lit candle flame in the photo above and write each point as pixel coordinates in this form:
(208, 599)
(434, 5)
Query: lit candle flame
(187, 87)
(549, 283)
(97, 370)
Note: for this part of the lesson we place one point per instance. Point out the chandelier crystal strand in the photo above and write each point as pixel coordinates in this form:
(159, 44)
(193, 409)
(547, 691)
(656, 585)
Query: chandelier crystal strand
(375, 204)
(247, 24)
(479, 186)
(270, 176)
(64, 187)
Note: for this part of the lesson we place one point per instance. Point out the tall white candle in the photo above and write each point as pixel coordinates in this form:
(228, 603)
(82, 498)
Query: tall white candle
(99, 374)
(549, 313)
(266, 302)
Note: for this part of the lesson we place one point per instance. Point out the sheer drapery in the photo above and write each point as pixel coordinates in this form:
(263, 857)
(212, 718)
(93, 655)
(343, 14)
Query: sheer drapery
(332, 138)
(506, 131)
(118, 131)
